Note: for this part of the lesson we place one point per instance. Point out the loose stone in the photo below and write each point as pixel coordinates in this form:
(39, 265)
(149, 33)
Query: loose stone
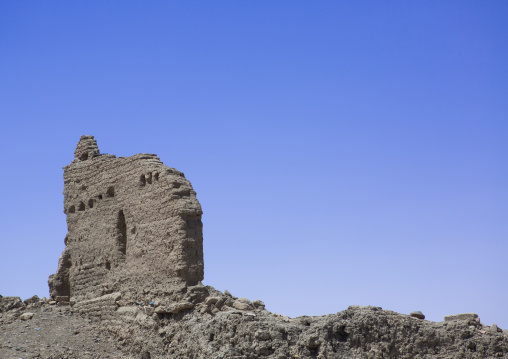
(417, 314)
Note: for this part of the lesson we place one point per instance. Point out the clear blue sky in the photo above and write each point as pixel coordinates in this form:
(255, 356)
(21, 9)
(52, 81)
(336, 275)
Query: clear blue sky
(343, 152)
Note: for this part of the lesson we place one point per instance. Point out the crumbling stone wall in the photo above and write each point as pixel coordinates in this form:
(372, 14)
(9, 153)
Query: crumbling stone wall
(134, 226)
(133, 263)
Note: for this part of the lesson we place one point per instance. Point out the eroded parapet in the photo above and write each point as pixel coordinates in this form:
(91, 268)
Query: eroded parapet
(86, 149)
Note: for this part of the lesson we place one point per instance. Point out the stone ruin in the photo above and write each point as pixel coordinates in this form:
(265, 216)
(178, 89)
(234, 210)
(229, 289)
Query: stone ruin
(133, 265)
(134, 226)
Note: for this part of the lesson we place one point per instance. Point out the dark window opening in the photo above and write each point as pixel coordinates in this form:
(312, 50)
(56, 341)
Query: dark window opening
(156, 176)
(90, 203)
(142, 180)
(81, 206)
(121, 227)
(108, 265)
(72, 209)
(111, 192)
(100, 196)
(83, 157)
(149, 178)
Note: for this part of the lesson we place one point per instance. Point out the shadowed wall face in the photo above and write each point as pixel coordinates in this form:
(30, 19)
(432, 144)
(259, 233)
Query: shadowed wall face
(134, 225)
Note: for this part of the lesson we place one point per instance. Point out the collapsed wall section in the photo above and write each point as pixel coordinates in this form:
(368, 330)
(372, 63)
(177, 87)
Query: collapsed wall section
(134, 226)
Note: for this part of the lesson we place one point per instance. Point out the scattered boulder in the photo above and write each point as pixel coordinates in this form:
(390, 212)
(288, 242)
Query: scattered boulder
(161, 310)
(9, 303)
(197, 293)
(242, 305)
(463, 316)
(417, 314)
(244, 300)
(174, 308)
(494, 328)
(258, 303)
(262, 335)
(222, 300)
(229, 301)
(148, 310)
(27, 316)
(211, 300)
(32, 300)
(178, 307)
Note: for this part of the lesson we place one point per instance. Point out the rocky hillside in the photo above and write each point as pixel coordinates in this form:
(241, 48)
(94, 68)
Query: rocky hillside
(211, 324)
(128, 285)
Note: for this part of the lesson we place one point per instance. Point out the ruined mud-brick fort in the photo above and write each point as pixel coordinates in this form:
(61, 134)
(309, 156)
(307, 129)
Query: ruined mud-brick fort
(133, 264)
(134, 227)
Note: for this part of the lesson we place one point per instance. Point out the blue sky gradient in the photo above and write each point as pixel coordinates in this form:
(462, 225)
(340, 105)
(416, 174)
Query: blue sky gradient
(343, 152)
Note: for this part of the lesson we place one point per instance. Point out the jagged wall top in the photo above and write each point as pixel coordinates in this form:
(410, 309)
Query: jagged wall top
(86, 148)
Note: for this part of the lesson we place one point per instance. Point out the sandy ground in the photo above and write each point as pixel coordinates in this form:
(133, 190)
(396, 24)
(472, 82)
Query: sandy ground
(53, 333)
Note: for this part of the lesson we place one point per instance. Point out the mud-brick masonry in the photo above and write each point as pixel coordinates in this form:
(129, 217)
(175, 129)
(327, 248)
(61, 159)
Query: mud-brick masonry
(134, 226)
